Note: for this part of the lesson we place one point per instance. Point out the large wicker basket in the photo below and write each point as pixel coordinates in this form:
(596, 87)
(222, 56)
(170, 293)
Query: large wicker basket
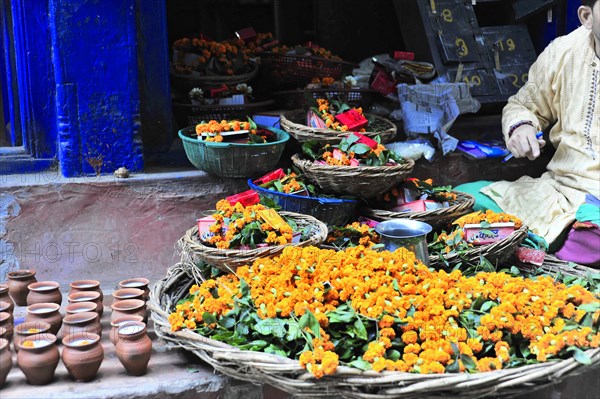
(360, 181)
(192, 249)
(294, 124)
(297, 99)
(437, 218)
(287, 374)
(184, 83)
(496, 253)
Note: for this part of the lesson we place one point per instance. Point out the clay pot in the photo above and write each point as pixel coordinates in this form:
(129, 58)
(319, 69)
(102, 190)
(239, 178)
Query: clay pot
(121, 321)
(88, 296)
(82, 323)
(5, 360)
(46, 312)
(7, 321)
(28, 329)
(140, 283)
(82, 355)
(134, 348)
(44, 292)
(6, 307)
(127, 293)
(3, 333)
(86, 285)
(128, 307)
(38, 357)
(6, 298)
(18, 283)
(80, 307)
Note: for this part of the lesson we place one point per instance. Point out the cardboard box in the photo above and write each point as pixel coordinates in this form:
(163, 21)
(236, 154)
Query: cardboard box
(418, 206)
(353, 119)
(274, 175)
(203, 228)
(245, 198)
(314, 120)
(477, 235)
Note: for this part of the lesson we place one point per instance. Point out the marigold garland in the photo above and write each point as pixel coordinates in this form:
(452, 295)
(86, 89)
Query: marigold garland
(422, 321)
(488, 216)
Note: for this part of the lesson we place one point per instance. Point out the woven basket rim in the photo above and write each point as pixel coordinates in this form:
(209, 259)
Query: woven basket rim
(463, 202)
(182, 135)
(311, 57)
(286, 373)
(335, 168)
(217, 78)
(321, 200)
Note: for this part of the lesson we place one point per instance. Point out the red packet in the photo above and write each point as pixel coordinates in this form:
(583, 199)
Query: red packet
(245, 198)
(366, 140)
(383, 82)
(215, 91)
(353, 119)
(246, 33)
(274, 175)
(530, 255)
(404, 55)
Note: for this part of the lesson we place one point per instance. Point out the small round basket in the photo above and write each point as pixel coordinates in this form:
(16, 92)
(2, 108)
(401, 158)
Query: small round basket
(496, 253)
(288, 375)
(233, 159)
(293, 124)
(192, 249)
(286, 71)
(359, 181)
(297, 99)
(186, 82)
(331, 211)
(191, 114)
(437, 218)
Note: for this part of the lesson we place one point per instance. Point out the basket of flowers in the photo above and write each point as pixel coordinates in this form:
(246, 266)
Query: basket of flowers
(420, 200)
(233, 148)
(293, 193)
(287, 68)
(352, 235)
(326, 122)
(358, 166)
(236, 235)
(364, 324)
(494, 236)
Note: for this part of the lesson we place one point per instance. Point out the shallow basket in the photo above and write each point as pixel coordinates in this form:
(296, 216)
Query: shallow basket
(437, 218)
(295, 124)
(288, 375)
(285, 71)
(192, 249)
(233, 159)
(296, 99)
(360, 181)
(184, 82)
(331, 211)
(496, 252)
(191, 114)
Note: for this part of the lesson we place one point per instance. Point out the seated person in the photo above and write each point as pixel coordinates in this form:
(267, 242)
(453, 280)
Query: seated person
(563, 91)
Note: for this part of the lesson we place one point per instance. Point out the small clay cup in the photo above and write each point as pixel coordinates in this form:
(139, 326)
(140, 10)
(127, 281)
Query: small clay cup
(28, 329)
(7, 321)
(5, 360)
(38, 357)
(6, 298)
(84, 323)
(134, 348)
(82, 355)
(86, 285)
(47, 313)
(44, 292)
(80, 307)
(128, 307)
(121, 321)
(18, 283)
(140, 283)
(127, 293)
(88, 296)
(7, 307)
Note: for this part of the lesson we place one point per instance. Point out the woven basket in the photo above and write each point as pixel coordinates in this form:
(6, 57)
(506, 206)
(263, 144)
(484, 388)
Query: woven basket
(331, 211)
(191, 249)
(191, 115)
(360, 181)
(496, 253)
(287, 374)
(286, 71)
(294, 124)
(296, 99)
(233, 159)
(185, 83)
(437, 218)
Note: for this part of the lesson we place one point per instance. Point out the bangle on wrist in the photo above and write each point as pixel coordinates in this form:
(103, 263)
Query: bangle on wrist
(517, 125)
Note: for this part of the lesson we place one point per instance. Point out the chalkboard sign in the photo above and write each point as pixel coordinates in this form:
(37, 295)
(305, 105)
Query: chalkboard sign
(526, 8)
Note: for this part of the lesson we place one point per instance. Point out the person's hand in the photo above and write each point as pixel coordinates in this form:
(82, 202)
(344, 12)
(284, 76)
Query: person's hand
(523, 143)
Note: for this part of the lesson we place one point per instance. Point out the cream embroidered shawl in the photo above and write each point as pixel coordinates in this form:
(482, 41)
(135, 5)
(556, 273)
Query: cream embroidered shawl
(563, 90)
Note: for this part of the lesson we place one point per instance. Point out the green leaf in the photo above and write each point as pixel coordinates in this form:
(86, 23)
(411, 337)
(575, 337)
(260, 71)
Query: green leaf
(359, 329)
(309, 320)
(487, 305)
(274, 327)
(360, 148)
(579, 355)
(241, 329)
(256, 345)
(227, 322)
(395, 285)
(278, 185)
(515, 271)
(293, 331)
(275, 350)
(590, 307)
(208, 318)
(392, 354)
(587, 321)
(360, 364)
(453, 368)
(252, 123)
(468, 362)
(485, 224)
